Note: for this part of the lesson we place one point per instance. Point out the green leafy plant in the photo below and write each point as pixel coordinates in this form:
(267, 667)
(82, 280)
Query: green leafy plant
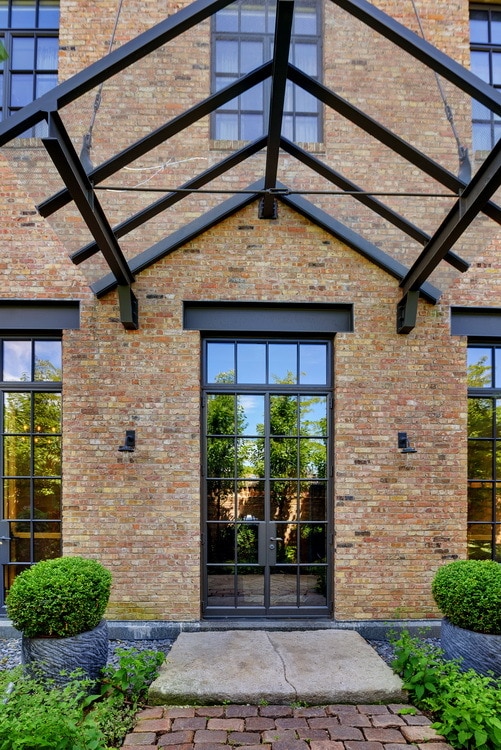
(38, 714)
(61, 597)
(468, 593)
(466, 706)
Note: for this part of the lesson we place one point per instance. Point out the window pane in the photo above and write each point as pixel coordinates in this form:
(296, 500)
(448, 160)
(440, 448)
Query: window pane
(47, 412)
(48, 361)
(226, 19)
(482, 137)
(47, 456)
(495, 27)
(23, 14)
(283, 415)
(282, 365)
(17, 412)
(220, 457)
(17, 454)
(283, 500)
(252, 127)
(496, 68)
(283, 457)
(20, 546)
(253, 20)
(226, 127)
(250, 412)
(221, 414)
(306, 129)
(221, 500)
(313, 546)
(312, 458)
(480, 111)
(480, 414)
(22, 90)
(23, 53)
(480, 459)
(479, 367)
(4, 14)
(250, 500)
(479, 63)
(250, 457)
(17, 360)
(247, 543)
(251, 56)
(47, 540)
(305, 102)
(479, 26)
(312, 501)
(47, 498)
(479, 541)
(226, 56)
(220, 363)
(47, 52)
(313, 416)
(313, 364)
(480, 502)
(251, 363)
(221, 543)
(253, 99)
(305, 21)
(48, 14)
(305, 58)
(16, 499)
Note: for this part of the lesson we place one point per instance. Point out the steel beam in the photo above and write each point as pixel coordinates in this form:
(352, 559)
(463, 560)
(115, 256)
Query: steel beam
(423, 51)
(108, 66)
(407, 312)
(172, 198)
(386, 137)
(64, 156)
(160, 135)
(127, 301)
(281, 46)
(372, 203)
(483, 184)
(182, 236)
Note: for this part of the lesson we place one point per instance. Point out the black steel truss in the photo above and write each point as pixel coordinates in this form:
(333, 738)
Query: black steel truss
(80, 185)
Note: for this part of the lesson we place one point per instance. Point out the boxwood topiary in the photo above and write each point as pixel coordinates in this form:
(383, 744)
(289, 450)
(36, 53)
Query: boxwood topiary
(59, 598)
(468, 593)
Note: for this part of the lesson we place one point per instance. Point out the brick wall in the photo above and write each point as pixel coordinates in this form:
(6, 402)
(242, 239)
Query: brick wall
(397, 517)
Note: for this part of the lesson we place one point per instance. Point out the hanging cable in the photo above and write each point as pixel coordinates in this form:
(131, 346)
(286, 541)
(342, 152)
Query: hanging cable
(464, 173)
(87, 139)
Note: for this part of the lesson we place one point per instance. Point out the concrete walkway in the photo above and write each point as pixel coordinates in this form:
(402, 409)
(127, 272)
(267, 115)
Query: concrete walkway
(314, 667)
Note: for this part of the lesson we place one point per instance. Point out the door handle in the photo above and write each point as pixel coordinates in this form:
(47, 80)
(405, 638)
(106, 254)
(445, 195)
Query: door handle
(5, 538)
(276, 539)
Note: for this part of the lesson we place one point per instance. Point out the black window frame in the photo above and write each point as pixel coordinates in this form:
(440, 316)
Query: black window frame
(486, 446)
(8, 34)
(268, 38)
(489, 120)
(15, 528)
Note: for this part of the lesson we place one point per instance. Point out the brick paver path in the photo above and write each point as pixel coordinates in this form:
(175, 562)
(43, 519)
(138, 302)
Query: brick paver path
(338, 727)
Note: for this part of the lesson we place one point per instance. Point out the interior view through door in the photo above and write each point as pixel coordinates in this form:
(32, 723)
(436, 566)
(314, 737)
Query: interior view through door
(267, 416)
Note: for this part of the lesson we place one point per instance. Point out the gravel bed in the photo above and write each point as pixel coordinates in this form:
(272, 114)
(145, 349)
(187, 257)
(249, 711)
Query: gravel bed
(10, 650)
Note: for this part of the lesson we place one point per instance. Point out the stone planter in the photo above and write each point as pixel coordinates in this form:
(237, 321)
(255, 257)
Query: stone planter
(51, 656)
(479, 651)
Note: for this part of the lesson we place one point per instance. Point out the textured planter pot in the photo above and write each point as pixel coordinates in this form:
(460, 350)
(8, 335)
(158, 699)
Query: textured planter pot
(87, 651)
(479, 651)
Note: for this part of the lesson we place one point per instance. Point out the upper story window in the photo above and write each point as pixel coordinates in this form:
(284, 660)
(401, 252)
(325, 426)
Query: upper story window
(485, 42)
(242, 39)
(29, 32)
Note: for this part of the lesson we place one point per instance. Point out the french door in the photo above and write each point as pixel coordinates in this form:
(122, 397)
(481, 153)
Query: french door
(267, 422)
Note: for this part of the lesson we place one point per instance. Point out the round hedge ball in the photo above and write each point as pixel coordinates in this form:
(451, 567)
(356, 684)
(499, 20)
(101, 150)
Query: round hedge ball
(468, 593)
(58, 598)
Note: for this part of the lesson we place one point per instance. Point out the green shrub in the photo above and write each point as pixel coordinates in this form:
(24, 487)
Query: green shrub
(466, 706)
(61, 597)
(468, 593)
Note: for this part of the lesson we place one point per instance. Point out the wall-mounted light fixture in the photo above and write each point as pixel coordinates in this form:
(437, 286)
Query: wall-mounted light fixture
(404, 443)
(130, 442)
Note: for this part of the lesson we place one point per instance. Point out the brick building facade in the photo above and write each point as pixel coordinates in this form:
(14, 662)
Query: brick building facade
(316, 286)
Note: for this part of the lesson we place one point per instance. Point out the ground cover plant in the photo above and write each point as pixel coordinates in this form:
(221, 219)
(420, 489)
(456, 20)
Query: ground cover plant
(466, 706)
(37, 714)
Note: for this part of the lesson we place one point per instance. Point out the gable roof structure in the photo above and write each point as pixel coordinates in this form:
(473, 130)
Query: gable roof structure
(81, 185)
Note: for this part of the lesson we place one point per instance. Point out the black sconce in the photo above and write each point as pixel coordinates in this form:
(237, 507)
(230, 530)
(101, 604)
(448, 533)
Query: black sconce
(404, 444)
(130, 442)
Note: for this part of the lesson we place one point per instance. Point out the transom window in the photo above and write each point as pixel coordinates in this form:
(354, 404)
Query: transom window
(484, 452)
(29, 33)
(485, 41)
(242, 39)
(30, 413)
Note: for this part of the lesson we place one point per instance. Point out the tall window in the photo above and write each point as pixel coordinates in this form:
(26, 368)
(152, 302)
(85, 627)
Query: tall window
(29, 33)
(484, 452)
(242, 39)
(30, 412)
(485, 39)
